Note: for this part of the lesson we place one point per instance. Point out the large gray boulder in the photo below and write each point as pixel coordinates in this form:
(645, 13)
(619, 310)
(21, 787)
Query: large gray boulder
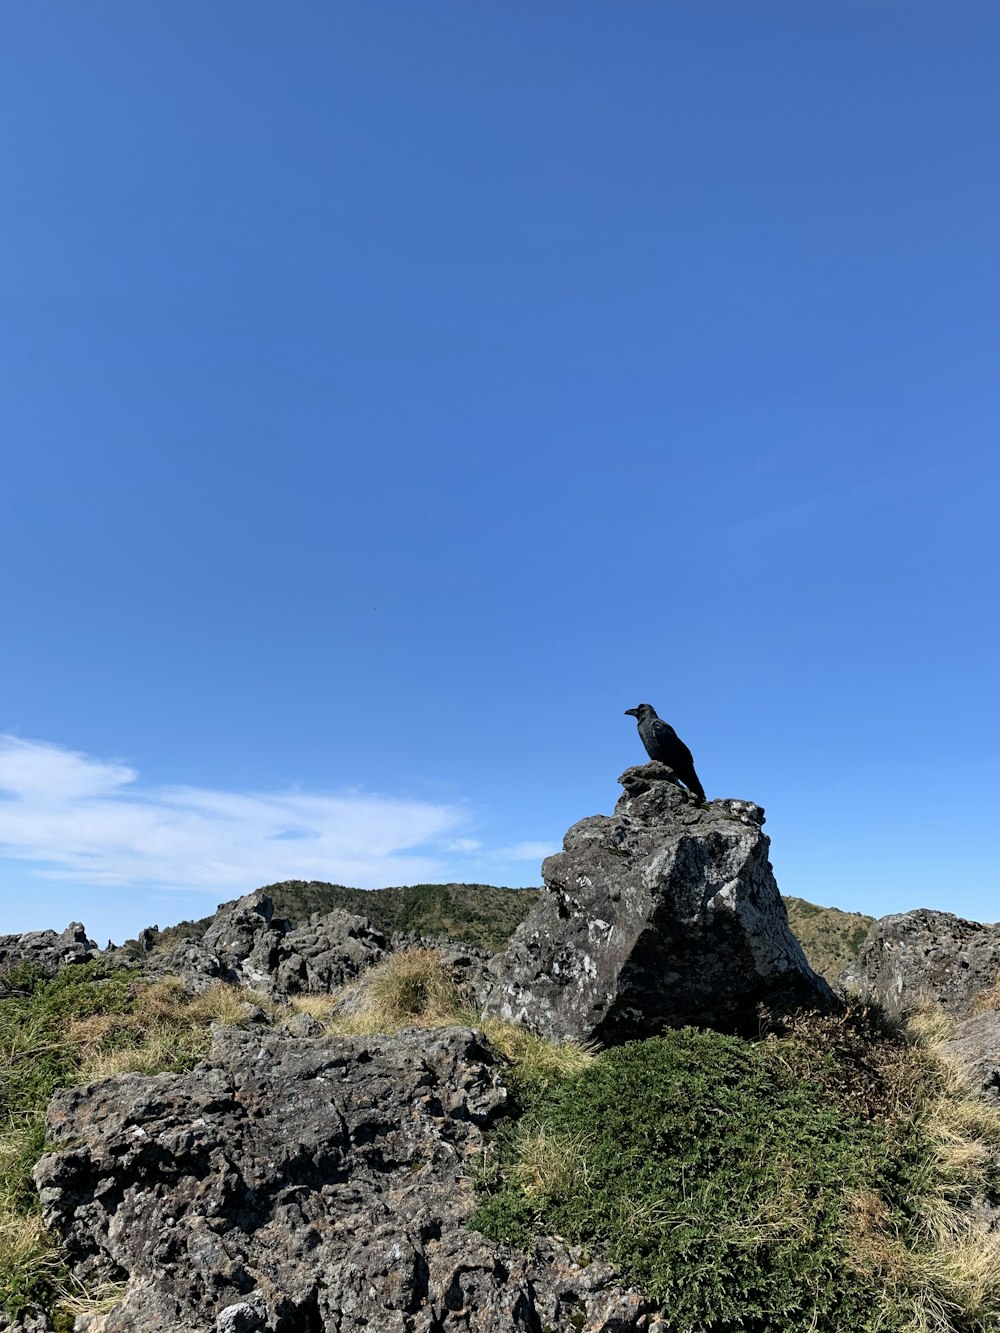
(662, 914)
(293, 1183)
(923, 957)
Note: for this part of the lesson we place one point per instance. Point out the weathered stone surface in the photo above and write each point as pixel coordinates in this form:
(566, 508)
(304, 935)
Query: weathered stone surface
(190, 961)
(974, 1049)
(294, 1183)
(248, 946)
(329, 951)
(47, 949)
(925, 957)
(245, 936)
(664, 913)
(32, 1320)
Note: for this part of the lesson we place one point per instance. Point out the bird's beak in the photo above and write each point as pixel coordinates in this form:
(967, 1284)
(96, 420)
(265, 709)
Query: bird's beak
(631, 712)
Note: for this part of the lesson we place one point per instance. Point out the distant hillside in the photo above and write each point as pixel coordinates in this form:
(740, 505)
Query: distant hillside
(831, 938)
(479, 914)
(487, 916)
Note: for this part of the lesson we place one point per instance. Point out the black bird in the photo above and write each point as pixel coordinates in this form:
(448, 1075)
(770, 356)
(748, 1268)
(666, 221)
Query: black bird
(663, 743)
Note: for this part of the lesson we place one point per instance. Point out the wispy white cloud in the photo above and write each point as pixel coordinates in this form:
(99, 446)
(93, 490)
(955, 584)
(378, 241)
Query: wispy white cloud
(529, 851)
(85, 819)
(463, 845)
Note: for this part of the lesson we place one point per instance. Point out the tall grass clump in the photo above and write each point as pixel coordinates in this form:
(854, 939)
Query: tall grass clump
(411, 988)
(534, 1061)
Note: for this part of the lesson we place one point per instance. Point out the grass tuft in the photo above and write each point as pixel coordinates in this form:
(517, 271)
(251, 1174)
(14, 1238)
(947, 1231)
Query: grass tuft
(536, 1062)
(29, 1263)
(548, 1167)
(412, 988)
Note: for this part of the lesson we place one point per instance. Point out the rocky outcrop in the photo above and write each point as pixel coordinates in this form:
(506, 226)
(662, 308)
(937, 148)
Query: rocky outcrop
(664, 913)
(292, 1183)
(974, 1049)
(46, 950)
(247, 945)
(924, 957)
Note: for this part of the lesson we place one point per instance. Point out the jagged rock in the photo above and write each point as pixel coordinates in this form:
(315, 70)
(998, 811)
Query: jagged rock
(662, 914)
(974, 1049)
(191, 962)
(31, 1320)
(247, 945)
(925, 957)
(245, 936)
(331, 950)
(47, 950)
(295, 1183)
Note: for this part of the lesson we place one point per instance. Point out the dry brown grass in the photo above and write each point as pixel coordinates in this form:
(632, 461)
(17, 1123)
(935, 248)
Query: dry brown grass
(320, 1007)
(166, 1029)
(412, 988)
(988, 999)
(414, 984)
(548, 1166)
(75, 1299)
(536, 1060)
(929, 1024)
(946, 1272)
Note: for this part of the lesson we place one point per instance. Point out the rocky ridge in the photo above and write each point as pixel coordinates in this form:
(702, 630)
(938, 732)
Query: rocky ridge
(46, 950)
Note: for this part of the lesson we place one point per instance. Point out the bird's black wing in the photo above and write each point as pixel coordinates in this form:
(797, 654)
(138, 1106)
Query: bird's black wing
(672, 751)
(664, 736)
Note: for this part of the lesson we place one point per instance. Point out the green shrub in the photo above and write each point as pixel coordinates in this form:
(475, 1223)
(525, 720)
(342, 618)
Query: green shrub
(714, 1177)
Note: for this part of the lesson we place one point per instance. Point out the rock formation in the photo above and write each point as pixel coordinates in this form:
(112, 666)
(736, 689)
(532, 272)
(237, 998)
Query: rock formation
(295, 1180)
(291, 1184)
(47, 950)
(925, 957)
(664, 913)
(974, 1049)
(247, 945)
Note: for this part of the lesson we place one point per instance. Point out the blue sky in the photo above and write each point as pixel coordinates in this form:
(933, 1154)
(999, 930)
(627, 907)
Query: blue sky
(391, 394)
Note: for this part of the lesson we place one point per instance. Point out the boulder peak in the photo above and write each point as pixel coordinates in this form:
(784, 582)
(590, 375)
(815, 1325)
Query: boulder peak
(662, 914)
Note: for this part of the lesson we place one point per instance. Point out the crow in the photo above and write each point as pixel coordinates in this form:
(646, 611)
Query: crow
(663, 743)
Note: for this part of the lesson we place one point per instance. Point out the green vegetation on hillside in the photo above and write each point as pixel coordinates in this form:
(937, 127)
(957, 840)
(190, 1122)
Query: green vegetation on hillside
(478, 914)
(831, 938)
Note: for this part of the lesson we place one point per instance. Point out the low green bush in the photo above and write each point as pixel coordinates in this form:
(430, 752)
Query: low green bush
(716, 1178)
